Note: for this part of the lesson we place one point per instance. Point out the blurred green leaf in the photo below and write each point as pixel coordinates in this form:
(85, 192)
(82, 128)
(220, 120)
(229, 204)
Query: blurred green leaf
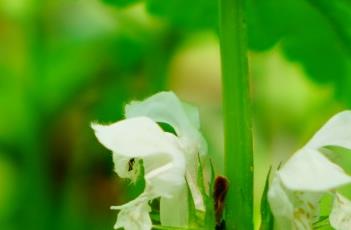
(338, 12)
(186, 15)
(181, 14)
(314, 37)
(121, 3)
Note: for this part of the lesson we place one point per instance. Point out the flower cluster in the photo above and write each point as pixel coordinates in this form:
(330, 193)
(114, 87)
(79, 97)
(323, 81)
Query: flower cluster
(169, 160)
(300, 184)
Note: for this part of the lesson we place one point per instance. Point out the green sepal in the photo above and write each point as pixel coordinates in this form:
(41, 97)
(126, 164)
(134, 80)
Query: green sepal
(322, 223)
(267, 219)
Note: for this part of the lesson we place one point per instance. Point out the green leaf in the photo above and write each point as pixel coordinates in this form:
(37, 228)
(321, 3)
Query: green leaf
(304, 34)
(188, 15)
(338, 12)
(121, 3)
(267, 219)
(317, 36)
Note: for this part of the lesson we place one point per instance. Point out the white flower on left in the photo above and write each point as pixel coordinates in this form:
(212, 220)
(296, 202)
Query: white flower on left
(141, 141)
(165, 107)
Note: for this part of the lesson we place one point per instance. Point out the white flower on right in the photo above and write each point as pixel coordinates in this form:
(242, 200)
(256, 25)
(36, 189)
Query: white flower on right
(299, 184)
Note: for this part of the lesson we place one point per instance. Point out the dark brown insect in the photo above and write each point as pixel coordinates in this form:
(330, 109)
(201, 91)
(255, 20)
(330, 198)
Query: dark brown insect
(220, 191)
(131, 163)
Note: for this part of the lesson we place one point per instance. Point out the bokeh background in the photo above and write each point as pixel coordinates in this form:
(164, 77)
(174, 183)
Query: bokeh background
(64, 64)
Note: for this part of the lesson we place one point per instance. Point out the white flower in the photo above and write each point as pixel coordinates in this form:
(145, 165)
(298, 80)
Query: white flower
(167, 159)
(165, 107)
(141, 139)
(299, 185)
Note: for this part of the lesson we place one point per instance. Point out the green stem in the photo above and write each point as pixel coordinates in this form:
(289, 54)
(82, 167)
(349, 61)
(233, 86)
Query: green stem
(237, 123)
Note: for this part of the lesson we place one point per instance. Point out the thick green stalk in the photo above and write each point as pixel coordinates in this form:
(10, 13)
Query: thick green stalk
(237, 123)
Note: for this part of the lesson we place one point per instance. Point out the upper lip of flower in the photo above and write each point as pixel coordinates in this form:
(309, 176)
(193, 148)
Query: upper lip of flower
(309, 170)
(141, 138)
(167, 108)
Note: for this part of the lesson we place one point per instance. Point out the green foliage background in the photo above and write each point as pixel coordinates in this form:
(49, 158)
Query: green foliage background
(66, 63)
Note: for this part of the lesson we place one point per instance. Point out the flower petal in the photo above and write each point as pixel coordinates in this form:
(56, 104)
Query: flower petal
(192, 180)
(167, 108)
(292, 209)
(134, 217)
(136, 137)
(165, 173)
(340, 216)
(309, 170)
(336, 132)
(140, 138)
(174, 211)
(281, 206)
